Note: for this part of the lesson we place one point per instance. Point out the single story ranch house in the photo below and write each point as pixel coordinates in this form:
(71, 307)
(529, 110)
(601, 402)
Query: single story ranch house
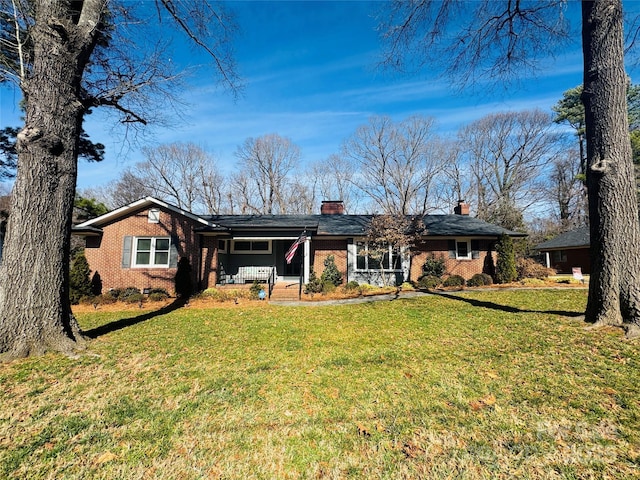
(140, 244)
(568, 251)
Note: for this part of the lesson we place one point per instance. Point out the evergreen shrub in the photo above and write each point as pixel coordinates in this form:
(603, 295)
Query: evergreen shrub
(480, 280)
(454, 281)
(506, 263)
(79, 281)
(429, 281)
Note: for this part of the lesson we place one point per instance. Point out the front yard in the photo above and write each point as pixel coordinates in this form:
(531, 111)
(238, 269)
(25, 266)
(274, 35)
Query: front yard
(484, 384)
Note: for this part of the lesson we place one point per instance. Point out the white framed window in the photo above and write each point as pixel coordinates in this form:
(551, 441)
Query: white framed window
(385, 258)
(464, 249)
(151, 251)
(153, 216)
(251, 246)
(222, 246)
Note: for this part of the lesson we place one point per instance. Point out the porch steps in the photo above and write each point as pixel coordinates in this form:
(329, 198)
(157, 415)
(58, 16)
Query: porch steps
(285, 291)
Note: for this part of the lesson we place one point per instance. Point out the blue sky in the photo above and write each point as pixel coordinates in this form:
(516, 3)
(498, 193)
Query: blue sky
(310, 74)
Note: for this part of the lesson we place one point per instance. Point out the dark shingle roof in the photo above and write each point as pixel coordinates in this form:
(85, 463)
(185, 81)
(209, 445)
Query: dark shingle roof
(264, 222)
(572, 239)
(325, 225)
(464, 225)
(356, 225)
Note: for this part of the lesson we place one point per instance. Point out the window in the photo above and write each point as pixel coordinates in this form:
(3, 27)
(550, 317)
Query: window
(559, 256)
(151, 252)
(251, 246)
(462, 249)
(222, 246)
(386, 258)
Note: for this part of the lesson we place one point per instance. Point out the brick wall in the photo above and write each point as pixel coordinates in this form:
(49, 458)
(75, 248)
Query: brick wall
(464, 268)
(323, 248)
(105, 254)
(578, 257)
(209, 263)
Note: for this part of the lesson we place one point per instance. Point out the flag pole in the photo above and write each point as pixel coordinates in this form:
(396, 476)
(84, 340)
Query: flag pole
(302, 264)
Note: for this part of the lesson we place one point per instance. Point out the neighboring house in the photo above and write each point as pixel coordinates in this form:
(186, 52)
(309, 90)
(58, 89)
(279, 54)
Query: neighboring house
(139, 245)
(567, 251)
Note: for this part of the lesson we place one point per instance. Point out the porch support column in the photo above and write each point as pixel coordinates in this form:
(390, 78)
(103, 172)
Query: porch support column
(307, 260)
(547, 258)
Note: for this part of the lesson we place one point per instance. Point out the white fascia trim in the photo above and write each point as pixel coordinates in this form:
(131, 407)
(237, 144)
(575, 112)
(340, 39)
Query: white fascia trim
(143, 202)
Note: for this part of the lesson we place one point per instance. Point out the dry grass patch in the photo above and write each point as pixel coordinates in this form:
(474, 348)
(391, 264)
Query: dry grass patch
(488, 384)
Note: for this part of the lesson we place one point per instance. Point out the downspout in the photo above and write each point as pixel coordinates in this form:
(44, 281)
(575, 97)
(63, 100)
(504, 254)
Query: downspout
(199, 262)
(307, 259)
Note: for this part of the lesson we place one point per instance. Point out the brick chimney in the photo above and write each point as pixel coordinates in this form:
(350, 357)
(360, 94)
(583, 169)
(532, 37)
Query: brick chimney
(462, 208)
(332, 207)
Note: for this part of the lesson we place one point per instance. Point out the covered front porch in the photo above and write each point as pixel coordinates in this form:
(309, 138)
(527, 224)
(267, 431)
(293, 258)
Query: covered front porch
(244, 260)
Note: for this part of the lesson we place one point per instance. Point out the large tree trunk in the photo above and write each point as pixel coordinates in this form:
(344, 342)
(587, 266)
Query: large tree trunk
(614, 290)
(35, 313)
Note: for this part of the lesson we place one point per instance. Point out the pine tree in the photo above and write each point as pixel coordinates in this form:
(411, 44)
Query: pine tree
(506, 265)
(79, 279)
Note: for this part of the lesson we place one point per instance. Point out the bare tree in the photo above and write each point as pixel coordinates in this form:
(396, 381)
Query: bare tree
(299, 196)
(507, 154)
(493, 37)
(566, 188)
(68, 57)
(394, 163)
(266, 162)
(483, 40)
(390, 237)
(180, 173)
(333, 179)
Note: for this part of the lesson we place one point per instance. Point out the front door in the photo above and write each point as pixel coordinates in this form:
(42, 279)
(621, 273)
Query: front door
(293, 269)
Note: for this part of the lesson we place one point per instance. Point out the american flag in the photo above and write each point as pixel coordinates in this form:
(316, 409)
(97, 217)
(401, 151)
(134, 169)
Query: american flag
(294, 247)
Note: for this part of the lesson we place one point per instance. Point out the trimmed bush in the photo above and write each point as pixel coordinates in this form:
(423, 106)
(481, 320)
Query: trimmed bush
(124, 294)
(158, 296)
(105, 299)
(480, 280)
(255, 289)
(134, 298)
(454, 281)
(315, 284)
(352, 285)
(433, 267)
(429, 281)
(407, 287)
(331, 274)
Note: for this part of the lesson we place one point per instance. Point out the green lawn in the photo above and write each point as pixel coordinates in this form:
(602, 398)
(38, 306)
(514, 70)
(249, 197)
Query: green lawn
(493, 384)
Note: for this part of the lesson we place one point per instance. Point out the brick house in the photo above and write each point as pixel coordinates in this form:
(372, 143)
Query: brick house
(140, 244)
(567, 251)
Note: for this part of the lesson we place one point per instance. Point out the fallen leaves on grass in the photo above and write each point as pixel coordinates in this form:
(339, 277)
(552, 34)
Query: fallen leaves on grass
(105, 457)
(485, 402)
